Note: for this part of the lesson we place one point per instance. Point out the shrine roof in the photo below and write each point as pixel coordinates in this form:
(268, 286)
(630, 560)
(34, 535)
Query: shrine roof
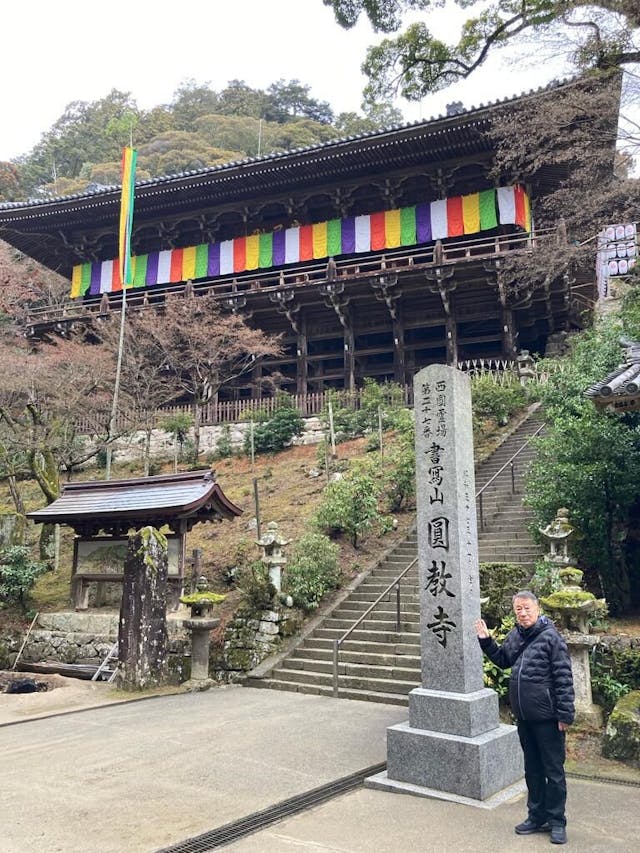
(620, 389)
(168, 496)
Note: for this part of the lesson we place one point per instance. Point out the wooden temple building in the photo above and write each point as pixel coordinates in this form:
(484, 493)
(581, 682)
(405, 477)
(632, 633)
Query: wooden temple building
(372, 256)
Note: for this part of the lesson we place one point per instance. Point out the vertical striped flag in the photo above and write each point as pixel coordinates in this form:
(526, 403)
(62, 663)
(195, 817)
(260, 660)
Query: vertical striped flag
(129, 158)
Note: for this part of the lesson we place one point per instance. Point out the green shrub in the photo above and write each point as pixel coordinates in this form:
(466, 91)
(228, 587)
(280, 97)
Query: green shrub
(494, 677)
(312, 571)
(349, 422)
(257, 590)
(499, 400)
(350, 506)
(399, 472)
(499, 582)
(276, 432)
(545, 579)
(614, 672)
(223, 445)
(18, 573)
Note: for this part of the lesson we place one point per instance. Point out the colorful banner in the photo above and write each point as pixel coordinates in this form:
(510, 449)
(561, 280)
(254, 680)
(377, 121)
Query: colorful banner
(390, 229)
(124, 272)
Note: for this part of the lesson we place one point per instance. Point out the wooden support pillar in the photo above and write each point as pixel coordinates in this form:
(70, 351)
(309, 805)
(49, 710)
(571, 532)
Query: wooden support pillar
(452, 339)
(443, 284)
(507, 323)
(399, 361)
(349, 357)
(302, 365)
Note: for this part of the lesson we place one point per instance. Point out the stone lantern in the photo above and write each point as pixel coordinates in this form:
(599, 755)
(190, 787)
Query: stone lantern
(571, 607)
(525, 366)
(558, 535)
(273, 557)
(200, 624)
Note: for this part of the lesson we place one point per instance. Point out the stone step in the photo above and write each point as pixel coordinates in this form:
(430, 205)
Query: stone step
(387, 609)
(316, 690)
(400, 648)
(350, 669)
(375, 622)
(370, 597)
(319, 679)
(390, 637)
(376, 659)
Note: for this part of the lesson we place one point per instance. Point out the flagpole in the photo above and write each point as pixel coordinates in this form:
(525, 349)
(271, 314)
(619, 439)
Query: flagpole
(126, 222)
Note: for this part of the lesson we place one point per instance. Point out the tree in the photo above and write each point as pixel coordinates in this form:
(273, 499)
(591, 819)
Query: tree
(595, 34)
(287, 101)
(87, 132)
(26, 285)
(589, 461)
(238, 99)
(191, 100)
(203, 347)
(146, 383)
(44, 393)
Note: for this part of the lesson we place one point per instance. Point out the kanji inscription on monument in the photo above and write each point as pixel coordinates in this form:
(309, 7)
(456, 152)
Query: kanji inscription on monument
(447, 534)
(453, 743)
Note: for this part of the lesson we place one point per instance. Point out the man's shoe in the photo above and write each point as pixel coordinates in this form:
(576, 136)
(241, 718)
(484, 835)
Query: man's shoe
(558, 834)
(528, 827)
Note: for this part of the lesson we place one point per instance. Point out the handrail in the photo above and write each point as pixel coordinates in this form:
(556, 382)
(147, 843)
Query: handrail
(497, 474)
(340, 641)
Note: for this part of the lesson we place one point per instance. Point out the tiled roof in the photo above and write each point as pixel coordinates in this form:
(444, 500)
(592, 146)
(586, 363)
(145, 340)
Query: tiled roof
(169, 496)
(436, 126)
(623, 381)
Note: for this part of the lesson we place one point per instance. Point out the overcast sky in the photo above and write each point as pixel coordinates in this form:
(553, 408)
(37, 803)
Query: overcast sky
(57, 51)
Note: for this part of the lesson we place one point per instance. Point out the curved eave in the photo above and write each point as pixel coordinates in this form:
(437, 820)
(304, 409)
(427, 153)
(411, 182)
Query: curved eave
(166, 497)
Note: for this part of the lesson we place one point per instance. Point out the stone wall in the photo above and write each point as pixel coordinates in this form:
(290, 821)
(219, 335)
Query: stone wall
(249, 639)
(86, 638)
(131, 448)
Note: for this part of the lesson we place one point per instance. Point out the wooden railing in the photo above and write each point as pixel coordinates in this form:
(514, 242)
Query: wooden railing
(234, 290)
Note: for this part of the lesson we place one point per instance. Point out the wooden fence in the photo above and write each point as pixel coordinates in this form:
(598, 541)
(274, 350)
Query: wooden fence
(232, 411)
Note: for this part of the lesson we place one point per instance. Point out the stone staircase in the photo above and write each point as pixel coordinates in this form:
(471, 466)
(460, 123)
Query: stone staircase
(377, 662)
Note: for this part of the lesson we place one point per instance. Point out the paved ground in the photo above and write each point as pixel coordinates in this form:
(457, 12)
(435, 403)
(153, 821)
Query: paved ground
(143, 775)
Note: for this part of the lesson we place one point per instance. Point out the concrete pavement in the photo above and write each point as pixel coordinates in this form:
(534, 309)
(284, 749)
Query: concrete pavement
(141, 776)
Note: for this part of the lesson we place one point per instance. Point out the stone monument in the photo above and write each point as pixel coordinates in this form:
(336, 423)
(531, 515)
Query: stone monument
(453, 745)
(142, 639)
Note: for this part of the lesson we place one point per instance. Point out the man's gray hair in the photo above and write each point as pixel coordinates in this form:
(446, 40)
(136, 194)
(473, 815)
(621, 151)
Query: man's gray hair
(525, 593)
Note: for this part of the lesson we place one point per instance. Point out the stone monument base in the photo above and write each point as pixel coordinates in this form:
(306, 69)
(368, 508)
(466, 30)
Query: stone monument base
(476, 767)
(381, 782)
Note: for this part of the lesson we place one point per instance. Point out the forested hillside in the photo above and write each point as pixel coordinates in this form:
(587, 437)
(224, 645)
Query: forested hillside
(200, 127)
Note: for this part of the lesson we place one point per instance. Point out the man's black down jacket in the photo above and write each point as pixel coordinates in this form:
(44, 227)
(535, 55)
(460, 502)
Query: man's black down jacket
(541, 682)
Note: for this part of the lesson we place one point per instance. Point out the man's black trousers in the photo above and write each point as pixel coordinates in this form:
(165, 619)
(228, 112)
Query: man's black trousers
(543, 745)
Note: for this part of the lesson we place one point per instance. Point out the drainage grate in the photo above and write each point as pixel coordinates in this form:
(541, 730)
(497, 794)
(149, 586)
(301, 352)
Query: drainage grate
(230, 832)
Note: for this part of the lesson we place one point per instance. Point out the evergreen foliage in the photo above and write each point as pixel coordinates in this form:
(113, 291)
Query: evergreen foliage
(18, 573)
(589, 462)
(312, 571)
(276, 433)
(350, 504)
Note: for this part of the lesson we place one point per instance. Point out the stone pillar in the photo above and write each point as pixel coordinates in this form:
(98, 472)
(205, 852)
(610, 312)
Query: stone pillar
(453, 745)
(142, 648)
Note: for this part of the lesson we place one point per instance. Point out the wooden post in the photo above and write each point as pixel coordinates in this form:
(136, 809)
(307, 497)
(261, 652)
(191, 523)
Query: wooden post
(257, 503)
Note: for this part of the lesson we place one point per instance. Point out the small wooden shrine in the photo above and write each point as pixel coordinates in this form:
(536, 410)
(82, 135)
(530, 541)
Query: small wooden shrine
(102, 512)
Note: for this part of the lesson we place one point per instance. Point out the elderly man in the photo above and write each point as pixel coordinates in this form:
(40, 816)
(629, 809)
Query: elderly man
(541, 698)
